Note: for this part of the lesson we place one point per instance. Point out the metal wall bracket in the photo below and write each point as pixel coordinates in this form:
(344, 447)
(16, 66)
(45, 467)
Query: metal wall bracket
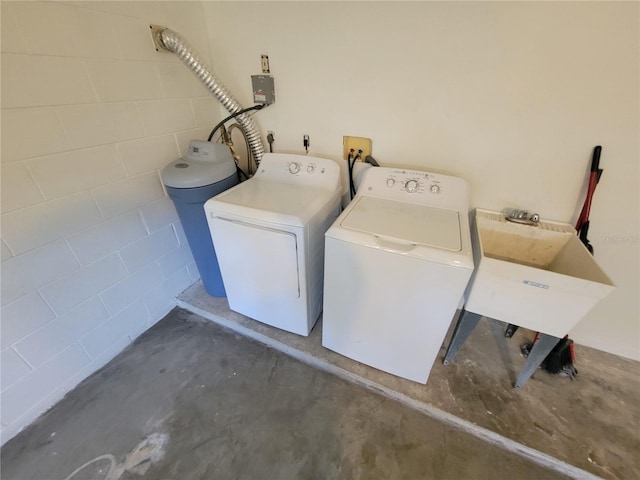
(156, 30)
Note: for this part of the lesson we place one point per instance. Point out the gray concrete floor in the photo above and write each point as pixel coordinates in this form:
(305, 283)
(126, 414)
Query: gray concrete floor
(591, 424)
(193, 400)
(190, 399)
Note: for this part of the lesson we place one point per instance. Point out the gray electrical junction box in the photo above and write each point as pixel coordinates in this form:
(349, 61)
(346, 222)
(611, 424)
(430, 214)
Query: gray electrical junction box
(263, 89)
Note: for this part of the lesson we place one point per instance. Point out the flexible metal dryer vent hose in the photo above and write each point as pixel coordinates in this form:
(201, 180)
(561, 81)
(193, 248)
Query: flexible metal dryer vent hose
(173, 42)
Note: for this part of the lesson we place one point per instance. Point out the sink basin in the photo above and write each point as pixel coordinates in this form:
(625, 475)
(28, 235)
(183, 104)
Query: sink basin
(539, 277)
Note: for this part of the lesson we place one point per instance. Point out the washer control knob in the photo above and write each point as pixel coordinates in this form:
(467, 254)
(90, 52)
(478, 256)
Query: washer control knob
(411, 186)
(390, 182)
(435, 188)
(294, 167)
(311, 169)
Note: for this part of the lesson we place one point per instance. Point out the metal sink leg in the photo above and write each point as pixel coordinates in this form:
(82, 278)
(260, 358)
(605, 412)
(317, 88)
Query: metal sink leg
(539, 352)
(467, 321)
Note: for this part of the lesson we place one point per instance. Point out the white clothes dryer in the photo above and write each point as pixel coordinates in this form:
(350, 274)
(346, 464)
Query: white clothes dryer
(397, 262)
(268, 233)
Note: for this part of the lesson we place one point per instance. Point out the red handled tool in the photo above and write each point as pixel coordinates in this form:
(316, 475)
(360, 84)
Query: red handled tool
(582, 225)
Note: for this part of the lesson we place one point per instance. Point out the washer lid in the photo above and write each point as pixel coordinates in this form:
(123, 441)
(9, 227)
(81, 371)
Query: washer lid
(407, 222)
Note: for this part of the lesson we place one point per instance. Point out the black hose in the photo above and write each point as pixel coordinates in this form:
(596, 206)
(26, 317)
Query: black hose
(234, 115)
(371, 161)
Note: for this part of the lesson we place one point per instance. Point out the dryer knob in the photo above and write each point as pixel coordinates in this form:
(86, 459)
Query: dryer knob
(294, 167)
(411, 186)
(311, 169)
(390, 182)
(435, 188)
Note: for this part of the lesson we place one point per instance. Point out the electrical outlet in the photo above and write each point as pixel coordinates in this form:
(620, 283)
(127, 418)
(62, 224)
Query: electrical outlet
(264, 62)
(357, 143)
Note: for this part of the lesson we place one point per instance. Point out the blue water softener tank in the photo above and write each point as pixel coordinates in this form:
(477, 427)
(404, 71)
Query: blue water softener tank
(207, 170)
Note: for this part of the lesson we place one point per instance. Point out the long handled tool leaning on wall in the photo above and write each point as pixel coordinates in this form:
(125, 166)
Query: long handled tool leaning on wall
(582, 225)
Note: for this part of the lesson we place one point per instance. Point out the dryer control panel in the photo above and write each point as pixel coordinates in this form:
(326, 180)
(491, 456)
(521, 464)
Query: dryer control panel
(299, 170)
(416, 186)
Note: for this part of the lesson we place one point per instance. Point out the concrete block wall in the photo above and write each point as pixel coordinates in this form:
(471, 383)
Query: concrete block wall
(93, 252)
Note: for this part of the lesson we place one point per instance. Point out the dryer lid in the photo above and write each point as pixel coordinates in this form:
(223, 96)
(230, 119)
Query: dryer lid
(406, 222)
(282, 203)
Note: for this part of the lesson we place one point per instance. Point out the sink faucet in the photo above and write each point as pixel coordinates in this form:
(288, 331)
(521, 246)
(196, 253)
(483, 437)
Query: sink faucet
(521, 216)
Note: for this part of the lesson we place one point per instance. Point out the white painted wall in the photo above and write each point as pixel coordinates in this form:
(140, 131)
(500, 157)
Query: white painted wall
(92, 249)
(512, 96)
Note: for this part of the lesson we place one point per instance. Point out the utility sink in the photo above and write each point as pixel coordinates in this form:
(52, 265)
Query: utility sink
(540, 277)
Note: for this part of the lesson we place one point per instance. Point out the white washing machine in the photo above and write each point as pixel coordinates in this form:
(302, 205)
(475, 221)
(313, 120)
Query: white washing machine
(397, 262)
(268, 233)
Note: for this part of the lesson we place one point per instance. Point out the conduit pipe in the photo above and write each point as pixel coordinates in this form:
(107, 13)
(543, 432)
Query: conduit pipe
(173, 42)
